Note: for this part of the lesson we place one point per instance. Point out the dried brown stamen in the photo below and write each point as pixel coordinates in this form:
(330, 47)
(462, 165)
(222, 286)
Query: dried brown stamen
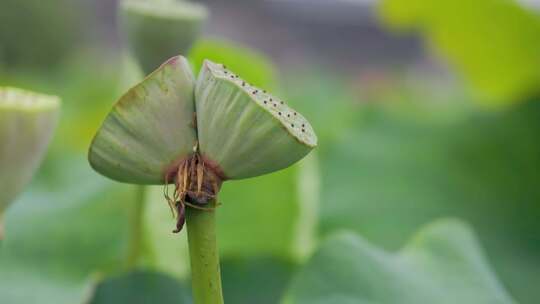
(197, 182)
(180, 216)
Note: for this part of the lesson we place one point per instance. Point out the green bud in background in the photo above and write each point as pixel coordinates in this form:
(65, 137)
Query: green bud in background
(27, 121)
(157, 30)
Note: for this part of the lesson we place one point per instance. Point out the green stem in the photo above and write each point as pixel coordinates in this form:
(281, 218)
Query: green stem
(204, 256)
(135, 245)
(1, 226)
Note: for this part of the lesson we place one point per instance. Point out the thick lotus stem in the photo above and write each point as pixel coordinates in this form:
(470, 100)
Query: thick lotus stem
(203, 253)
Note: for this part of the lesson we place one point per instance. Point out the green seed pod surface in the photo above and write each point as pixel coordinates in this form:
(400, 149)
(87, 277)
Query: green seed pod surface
(27, 122)
(243, 129)
(150, 129)
(157, 30)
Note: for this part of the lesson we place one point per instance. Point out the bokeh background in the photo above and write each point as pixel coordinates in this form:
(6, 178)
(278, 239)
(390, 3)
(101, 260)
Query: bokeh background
(424, 110)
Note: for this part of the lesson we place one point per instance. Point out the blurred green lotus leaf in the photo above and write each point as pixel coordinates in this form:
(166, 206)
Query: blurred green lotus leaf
(27, 122)
(442, 264)
(50, 254)
(494, 43)
(242, 283)
(393, 169)
(141, 287)
(157, 30)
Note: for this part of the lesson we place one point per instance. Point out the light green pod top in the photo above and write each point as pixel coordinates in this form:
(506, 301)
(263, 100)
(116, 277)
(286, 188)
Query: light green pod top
(239, 131)
(27, 122)
(244, 129)
(150, 128)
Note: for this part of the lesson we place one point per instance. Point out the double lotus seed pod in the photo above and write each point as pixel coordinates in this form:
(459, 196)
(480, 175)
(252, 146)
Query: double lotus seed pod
(196, 134)
(157, 29)
(27, 122)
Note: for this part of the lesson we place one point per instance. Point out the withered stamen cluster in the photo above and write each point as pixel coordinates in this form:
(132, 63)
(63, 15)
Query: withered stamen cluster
(196, 184)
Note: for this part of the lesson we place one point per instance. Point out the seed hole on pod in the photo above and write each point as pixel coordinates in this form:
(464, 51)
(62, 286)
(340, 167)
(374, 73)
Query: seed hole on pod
(279, 113)
(292, 125)
(281, 102)
(288, 115)
(265, 102)
(303, 130)
(275, 105)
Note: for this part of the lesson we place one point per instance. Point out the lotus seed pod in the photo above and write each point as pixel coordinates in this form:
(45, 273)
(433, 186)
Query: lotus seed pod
(150, 129)
(157, 30)
(27, 122)
(243, 129)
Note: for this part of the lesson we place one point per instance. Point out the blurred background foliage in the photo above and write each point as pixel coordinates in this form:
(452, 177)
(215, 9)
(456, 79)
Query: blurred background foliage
(407, 134)
(494, 43)
(55, 29)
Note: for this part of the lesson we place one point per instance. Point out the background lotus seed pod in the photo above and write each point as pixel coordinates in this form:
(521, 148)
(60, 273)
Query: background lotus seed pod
(27, 121)
(149, 128)
(247, 131)
(157, 30)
